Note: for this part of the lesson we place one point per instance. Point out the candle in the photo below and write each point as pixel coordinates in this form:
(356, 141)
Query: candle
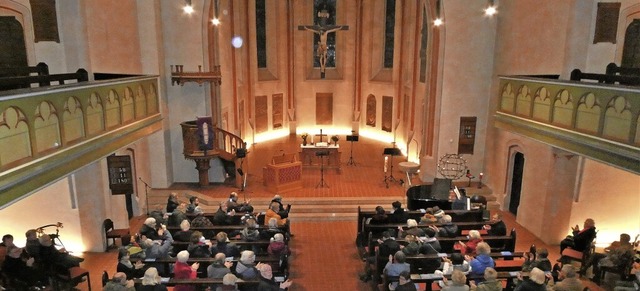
(481, 175)
(386, 158)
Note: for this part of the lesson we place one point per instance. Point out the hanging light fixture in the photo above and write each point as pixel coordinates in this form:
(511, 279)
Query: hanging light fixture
(188, 7)
(491, 9)
(438, 21)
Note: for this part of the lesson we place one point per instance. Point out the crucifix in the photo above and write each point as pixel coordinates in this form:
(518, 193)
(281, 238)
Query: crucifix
(323, 30)
(321, 135)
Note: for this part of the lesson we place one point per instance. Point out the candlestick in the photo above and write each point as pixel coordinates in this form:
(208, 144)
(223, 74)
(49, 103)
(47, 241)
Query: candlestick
(480, 181)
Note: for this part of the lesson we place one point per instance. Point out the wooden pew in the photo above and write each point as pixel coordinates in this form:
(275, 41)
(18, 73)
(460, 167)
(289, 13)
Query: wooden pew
(218, 228)
(201, 281)
(504, 261)
(164, 263)
(429, 279)
(461, 226)
(506, 242)
(456, 216)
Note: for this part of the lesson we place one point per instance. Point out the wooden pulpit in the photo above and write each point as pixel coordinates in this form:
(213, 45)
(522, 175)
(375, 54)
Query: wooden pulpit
(284, 173)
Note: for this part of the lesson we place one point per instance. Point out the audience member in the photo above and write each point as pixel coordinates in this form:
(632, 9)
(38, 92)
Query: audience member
(125, 266)
(228, 283)
(246, 268)
(567, 280)
(277, 246)
(239, 207)
(150, 230)
(250, 231)
(194, 205)
(119, 282)
(541, 261)
(581, 239)
(197, 246)
(224, 215)
(438, 214)
(387, 246)
(455, 262)
(497, 226)
(413, 245)
(634, 283)
(219, 268)
(405, 283)
(395, 266)
(33, 244)
(470, 246)
(398, 215)
(482, 260)
(490, 282)
(448, 228)
(184, 234)
(172, 202)
(428, 217)
(201, 221)
(7, 241)
(619, 253)
(223, 246)
(178, 215)
(272, 229)
(458, 282)
(158, 249)
(53, 258)
(430, 244)
(160, 217)
(535, 281)
(412, 228)
(18, 265)
(151, 281)
(182, 270)
(282, 211)
(273, 213)
(266, 282)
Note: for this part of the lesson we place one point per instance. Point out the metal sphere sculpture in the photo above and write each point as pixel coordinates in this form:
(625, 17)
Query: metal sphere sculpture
(452, 166)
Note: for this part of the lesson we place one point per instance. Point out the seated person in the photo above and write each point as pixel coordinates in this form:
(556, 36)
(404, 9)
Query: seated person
(273, 213)
(119, 282)
(157, 249)
(430, 244)
(151, 281)
(150, 229)
(125, 266)
(272, 229)
(490, 282)
(197, 247)
(250, 231)
(33, 244)
(194, 205)
(567, 280)
(412, 228)
(405, 283)
(395, 266)
(201, 221)
(172, 202)
(497, 226)
(224, 215)
(469, 247)
(448, 228)
(633, 285)
(266, 281)
(455, 262)
(219, 268)
(282, 211)
(398, 215)
(223, 246)
(277, 246)
(581, 239)
(182, 270)
(178, 215)
(184, 235)
(239, 207)
(228, 283)
(387, 246)
(246, 268)
(18, 265)
(52, 257)
(413, 246)
(458, 282)
(428, 217)
(535, 281)
(619, 253)
(482, 260)
(541, 262)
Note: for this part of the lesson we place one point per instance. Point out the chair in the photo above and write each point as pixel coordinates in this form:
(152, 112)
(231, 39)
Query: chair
(75, 276)
(105, 278)
(623, 270)
(111, 233)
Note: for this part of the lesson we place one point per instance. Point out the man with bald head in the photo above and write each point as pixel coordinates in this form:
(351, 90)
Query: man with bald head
(119, 282)
(567, 280)
(581, 239)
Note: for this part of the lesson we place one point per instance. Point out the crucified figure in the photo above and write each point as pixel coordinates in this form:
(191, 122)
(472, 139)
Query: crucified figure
(322, 31)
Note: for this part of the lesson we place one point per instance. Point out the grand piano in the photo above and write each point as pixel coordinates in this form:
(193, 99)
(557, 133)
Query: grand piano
(430, 195)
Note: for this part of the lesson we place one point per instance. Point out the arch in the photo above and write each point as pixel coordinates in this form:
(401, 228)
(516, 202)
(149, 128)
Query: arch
(112, 110)
(563, 109)
(523, 101)
(72, 120)
(514, 147)
(128, 107)
(588, 114)
(152, 100)
(541, 105)
(507, 98)
(15, 143)
(627, 16)
(46, 127)
(95, 114)
(140, 103)
(23, 15)
(617, 119)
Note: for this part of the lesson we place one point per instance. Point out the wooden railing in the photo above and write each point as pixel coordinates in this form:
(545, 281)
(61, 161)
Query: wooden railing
(228, 143)
(596, 120)
(80, 75)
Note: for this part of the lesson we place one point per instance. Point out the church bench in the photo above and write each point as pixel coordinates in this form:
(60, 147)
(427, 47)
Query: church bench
(472, 225)
(500, 242)
(200, 281)
(456, 216)
(274, 261)
(429, 279)
(218, 228)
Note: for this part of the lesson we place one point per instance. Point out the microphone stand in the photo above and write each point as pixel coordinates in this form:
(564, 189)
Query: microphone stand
(146, 193)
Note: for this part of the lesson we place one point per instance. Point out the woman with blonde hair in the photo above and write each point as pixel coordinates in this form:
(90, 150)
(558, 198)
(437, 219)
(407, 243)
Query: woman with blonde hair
(458, 282)
(152, 281)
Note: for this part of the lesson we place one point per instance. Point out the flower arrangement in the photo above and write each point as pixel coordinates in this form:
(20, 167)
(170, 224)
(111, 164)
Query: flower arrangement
(335, 139)
(304, 138)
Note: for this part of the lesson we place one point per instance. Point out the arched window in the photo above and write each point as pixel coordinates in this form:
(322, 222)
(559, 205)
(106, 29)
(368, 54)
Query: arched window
(631, 48)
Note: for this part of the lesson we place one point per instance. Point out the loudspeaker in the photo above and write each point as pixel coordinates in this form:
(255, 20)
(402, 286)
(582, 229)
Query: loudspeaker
(440, 188)
(241, 153)
(352, 138)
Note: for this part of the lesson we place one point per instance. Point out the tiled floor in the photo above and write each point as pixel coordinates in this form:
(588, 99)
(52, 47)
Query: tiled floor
(324, 253)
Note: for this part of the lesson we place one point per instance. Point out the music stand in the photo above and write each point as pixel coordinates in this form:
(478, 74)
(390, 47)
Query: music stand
(390, 152)
(352, 139)
(322, 154)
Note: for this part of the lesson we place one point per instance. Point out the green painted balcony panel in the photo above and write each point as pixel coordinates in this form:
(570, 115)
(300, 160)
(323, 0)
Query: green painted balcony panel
(600, 121)
(47, 133)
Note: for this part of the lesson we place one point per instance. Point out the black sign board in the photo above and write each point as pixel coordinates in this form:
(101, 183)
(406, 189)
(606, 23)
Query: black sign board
(120, 175)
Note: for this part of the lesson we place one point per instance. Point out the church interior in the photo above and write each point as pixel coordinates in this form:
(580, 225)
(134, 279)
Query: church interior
(107, 107)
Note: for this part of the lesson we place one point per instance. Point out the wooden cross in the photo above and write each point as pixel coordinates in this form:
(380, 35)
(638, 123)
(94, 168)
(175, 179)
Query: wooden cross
(321, 135)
